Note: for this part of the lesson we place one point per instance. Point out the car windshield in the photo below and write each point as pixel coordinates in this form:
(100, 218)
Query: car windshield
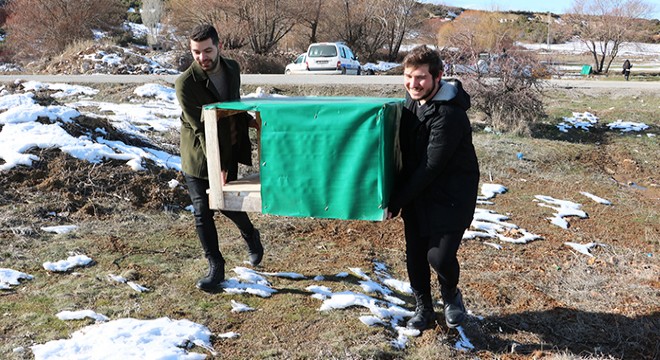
(323, 51)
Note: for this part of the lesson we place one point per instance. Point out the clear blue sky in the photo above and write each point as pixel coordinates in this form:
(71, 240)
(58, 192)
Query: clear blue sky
(554, 6)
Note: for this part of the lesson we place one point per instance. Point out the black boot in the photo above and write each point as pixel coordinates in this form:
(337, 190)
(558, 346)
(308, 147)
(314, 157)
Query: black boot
(424, 316)
(215, 277)
(453, 307)
(255, 249)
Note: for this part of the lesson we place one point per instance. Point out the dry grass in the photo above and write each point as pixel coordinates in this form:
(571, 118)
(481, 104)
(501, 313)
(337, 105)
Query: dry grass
(541, 300)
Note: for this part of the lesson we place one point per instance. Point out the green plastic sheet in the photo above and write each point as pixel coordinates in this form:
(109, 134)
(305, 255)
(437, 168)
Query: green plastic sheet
(326, 157)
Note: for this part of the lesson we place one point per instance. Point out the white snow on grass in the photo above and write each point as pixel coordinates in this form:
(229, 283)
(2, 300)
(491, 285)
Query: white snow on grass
(229, 335)
(81, 314)
(595, 198)
(68, 264)
(129, 338)
(563, 209)
(586, 121)
(583, 121)
(584, 248)
(60, 229)
(21, 131)
(238, 307)
(65, 90)
(133, 285)
(627, 126)
(137, 287)
(490, 225)
(157, 91)
(289, 275)
(386, 311)
(489, 191)
(9, 277)
(248, 281)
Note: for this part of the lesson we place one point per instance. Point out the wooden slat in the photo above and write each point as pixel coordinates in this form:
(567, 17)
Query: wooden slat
(242, 201)
(250, 183)
(210, 119)
(240, 195)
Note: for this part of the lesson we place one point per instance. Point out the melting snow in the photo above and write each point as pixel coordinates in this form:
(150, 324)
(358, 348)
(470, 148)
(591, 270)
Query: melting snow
(128, 338)
(11, 277)
(68, 264)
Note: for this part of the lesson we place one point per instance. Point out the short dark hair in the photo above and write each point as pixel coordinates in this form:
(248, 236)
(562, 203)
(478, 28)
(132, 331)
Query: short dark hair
(424, 55)
(204, 31)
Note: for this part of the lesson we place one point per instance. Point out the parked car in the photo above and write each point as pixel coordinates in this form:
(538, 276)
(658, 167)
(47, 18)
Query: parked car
(332, 58)
(298, 66)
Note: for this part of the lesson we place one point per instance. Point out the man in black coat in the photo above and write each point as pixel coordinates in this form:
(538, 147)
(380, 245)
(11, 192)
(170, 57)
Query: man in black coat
(626, 69)
(437, 187)
(210, 79)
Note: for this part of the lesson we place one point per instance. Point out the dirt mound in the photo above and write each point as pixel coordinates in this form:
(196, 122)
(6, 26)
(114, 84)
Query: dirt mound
(67, 185)
(109, 59)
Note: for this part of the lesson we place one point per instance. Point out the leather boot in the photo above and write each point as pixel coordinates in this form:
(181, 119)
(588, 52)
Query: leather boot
(453, 307)
(255, 249)
(424, 316)
(215, 277)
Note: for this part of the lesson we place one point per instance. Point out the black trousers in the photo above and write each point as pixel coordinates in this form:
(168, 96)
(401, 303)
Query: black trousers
(436, 251)
(204, 223)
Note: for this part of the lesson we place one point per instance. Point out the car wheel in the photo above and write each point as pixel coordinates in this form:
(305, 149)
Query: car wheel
(287, 72)
(343, 71)
(359, 71)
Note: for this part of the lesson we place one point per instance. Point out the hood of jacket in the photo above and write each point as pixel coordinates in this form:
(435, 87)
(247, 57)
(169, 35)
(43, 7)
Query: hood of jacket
(452, 92)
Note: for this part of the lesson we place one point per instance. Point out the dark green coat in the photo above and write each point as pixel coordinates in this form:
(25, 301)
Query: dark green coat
(194, 89)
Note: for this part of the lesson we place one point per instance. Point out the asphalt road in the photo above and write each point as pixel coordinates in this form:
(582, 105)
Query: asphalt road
(256, 79)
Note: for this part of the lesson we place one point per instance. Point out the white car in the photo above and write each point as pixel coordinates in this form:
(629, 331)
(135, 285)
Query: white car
(332, 58)
(298, 66)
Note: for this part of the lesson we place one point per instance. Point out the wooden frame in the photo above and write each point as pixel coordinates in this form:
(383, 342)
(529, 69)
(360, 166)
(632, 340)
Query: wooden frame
(243, 194)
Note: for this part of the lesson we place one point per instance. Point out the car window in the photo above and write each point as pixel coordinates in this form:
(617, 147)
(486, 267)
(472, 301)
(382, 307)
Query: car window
(322, 51)
(350, 54)
(343, 52)
(300, 59)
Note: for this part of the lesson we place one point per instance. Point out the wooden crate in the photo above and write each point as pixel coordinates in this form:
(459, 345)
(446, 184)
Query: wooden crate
(338, 154)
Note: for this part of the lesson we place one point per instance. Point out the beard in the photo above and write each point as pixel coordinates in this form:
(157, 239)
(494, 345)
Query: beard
(426, 95)
(209, 64)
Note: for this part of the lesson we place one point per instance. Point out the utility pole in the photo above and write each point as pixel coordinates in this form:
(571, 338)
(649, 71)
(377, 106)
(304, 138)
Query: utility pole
(548, 38)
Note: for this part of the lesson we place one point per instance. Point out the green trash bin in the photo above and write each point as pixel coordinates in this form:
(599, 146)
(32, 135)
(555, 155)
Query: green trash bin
(586, 70)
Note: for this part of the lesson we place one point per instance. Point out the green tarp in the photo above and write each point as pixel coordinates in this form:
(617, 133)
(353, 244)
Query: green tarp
(586, 70)
(326, 157)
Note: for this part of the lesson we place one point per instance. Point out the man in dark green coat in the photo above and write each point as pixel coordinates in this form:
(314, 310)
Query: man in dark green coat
(212, 78)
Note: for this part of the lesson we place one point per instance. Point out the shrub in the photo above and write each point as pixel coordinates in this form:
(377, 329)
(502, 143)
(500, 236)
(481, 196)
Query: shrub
(506, 90)
(43, 28)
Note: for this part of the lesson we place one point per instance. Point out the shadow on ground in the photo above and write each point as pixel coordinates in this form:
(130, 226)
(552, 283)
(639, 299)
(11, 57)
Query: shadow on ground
(568, 330)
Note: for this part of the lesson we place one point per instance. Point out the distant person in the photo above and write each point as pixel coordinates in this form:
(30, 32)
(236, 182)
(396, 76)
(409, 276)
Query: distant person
(212, 78)
(436, 190)
(626, 69)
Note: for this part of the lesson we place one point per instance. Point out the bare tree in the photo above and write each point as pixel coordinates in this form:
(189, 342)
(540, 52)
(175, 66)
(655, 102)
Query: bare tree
(36, 28)
(152, 13)
(359, 24)
(266, 21)
(398, 16)
(503, 85)
(310, 15)
(603, 25)
(186, 14)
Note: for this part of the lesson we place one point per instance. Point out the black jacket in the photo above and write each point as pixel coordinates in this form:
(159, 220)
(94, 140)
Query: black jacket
(438, 184)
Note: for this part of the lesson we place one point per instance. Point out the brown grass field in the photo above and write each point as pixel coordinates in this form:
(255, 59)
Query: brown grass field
(540, 300)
